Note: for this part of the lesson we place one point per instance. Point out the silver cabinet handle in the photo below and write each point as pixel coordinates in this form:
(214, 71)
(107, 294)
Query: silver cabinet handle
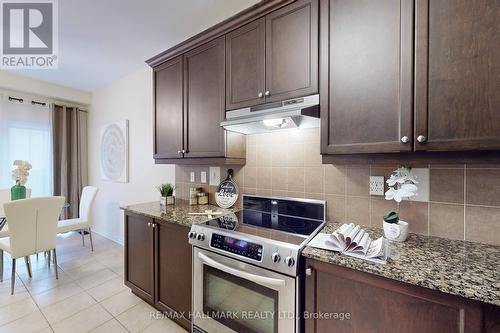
(149, 224)
(153, 225)
(260, 95)
(179, 152)
(184, 151)
(421, 138)
(405, 139)
(267, 93)
(309, 271)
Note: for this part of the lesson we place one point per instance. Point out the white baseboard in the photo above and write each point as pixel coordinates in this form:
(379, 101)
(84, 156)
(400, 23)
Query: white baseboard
(114, 239)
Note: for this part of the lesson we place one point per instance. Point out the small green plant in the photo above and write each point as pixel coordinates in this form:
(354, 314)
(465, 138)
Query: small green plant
(166, 190)
(392, 217)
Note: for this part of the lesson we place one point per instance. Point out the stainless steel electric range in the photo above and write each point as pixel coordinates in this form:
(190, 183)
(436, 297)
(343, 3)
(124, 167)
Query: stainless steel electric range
(245, 265)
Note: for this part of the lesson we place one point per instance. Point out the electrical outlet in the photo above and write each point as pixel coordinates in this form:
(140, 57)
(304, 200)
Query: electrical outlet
(203, 177)
(191, 177)
(214, 176)
(376, 185)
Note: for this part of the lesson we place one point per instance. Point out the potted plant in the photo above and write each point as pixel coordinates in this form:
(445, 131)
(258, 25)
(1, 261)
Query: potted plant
(167, 194)
(20, 175)
(402, 185)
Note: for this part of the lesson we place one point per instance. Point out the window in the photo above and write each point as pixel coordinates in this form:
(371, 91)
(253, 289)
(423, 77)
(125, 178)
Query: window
(25, 134)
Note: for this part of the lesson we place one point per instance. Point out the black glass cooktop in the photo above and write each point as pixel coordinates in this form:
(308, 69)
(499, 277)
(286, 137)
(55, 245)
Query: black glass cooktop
(284, 219)
(246, 217)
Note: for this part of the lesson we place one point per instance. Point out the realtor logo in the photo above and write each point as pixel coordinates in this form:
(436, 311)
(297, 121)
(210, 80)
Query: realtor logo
(29, 34)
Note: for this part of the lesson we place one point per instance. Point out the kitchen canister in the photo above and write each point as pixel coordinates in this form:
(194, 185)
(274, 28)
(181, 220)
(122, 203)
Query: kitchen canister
(193, 196)
(202, 198)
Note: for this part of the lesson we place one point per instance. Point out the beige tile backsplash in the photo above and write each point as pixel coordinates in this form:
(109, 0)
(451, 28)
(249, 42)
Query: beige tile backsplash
(464, 199)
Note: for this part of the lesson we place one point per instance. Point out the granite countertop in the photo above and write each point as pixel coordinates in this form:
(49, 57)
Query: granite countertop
(467, 269)
(178, 213)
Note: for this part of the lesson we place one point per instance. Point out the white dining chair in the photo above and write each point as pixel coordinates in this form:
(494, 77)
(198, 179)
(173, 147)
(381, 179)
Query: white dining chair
(5, 197)
(84, 220)
(33, 229)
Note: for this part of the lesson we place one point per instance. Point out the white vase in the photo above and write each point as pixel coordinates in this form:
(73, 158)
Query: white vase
(170, 200)
(163, 201)
(396, 231)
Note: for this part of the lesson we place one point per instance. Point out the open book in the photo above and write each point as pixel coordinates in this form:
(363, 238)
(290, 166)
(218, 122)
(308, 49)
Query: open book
(353, 241)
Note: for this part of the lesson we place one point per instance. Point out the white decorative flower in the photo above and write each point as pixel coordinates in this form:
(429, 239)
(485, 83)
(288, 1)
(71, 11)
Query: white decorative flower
(404, 181)
(390, 194)
(405, 191)
(21, 172)
(401, 176)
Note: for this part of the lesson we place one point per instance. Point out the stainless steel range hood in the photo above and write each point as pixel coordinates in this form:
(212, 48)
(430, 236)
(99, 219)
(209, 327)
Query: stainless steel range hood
(293, 113)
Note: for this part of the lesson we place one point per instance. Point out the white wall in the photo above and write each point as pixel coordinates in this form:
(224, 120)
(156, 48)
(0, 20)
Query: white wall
(11, 81)
(128, 98)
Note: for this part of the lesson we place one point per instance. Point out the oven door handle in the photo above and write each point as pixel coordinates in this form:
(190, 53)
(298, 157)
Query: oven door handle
(244, 275)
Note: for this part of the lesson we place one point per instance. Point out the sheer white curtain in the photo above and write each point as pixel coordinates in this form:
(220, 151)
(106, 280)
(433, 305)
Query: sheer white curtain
(26, 134)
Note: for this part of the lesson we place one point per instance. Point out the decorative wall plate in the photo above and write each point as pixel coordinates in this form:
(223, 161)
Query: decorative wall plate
(114, 152)
(227, 192)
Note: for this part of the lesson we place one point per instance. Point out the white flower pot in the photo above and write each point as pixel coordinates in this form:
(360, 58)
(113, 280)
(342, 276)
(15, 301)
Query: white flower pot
(396, 231)
(170, 200)
(163, 201)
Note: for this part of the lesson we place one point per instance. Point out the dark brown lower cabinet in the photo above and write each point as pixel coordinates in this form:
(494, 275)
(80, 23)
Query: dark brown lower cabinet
(377, 304)
(173, 272)
(158, 265)
(139, 260)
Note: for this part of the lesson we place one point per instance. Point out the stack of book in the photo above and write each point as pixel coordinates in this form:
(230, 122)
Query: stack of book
(350, 239)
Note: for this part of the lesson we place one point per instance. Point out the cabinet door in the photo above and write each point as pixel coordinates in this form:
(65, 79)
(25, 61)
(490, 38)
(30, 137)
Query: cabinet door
(366, 91)
(245, 65)
(292, 51)
(168, 109)
(204, 100)
(457, 99)
(173, 271)
(139, 255)
(377, 304)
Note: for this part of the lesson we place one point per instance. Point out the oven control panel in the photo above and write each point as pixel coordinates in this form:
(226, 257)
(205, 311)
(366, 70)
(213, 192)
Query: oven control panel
(236, 246)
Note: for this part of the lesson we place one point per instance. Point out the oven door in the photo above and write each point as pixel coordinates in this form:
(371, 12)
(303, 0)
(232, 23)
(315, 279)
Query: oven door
(233, 296)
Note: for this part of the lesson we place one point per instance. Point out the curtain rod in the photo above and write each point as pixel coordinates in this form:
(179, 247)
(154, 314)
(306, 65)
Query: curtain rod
(38, 99)
(21, 100)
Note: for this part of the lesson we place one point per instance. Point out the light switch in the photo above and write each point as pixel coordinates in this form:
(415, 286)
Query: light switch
(191, 176)
(214, 176)
(203, 177)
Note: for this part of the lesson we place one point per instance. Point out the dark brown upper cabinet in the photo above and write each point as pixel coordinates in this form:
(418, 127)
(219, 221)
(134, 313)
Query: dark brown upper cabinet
(410, 76)
(366, 57)
(189, 107)
(246, 65)
(168, 92)
(274, 57)
(457, 68)
(292, 51)
(204, 84)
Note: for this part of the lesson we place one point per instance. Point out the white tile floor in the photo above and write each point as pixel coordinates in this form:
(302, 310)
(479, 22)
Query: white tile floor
(89, 295)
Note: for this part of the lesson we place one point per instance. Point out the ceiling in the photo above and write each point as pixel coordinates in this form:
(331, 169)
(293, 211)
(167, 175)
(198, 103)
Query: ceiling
(103, 40)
